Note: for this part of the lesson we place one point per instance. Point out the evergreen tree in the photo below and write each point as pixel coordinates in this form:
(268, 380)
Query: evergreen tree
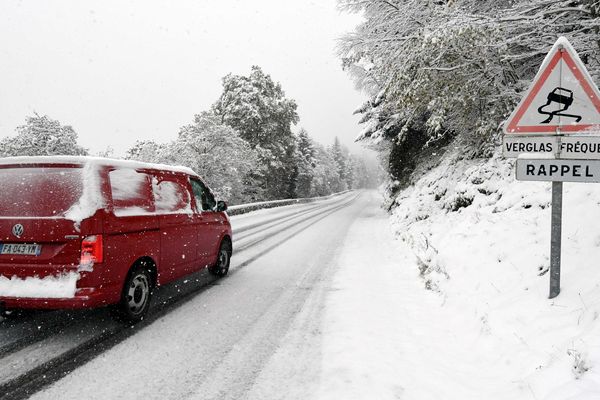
(305, 154)
(351, 169)
(326, 176)
(256, 107)
(339, 157)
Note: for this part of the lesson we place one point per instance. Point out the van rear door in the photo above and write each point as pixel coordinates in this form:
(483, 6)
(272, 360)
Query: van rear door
(35, 236)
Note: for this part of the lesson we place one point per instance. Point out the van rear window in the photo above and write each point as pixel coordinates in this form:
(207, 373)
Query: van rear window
(39, 192)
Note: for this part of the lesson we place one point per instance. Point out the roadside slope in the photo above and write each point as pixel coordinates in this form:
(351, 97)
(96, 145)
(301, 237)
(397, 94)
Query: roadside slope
(457, 308)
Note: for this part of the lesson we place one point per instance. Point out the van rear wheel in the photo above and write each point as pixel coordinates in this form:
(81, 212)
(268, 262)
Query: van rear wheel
(221, 267)
(135, 299)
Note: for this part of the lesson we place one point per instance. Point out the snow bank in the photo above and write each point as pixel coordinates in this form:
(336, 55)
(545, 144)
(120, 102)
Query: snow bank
(457, 307)
(481, 241)
(51, 287)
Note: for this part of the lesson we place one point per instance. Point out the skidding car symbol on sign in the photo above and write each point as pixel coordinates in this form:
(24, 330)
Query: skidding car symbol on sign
(562, 96)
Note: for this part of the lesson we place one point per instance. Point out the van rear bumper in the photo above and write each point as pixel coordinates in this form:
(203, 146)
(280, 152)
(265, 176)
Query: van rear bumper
(84, 298)
(91, 288)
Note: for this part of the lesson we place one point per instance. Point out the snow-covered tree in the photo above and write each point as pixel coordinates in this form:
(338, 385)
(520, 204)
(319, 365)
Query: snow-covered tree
(326, 176)
(213, 150)
(361, 176)
(340, 157)
(145, 150)
(42, 136)
(436, 69)
(256, 107)
(350, 173)
(108, 152)
(305, 155)
(217, 153)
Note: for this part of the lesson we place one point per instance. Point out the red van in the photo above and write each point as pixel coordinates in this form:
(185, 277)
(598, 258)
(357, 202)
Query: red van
(80, 232)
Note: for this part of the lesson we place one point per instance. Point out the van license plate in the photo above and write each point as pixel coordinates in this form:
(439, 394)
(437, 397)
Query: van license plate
(21, 248)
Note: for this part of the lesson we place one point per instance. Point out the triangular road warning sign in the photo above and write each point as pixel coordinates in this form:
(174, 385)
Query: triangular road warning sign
(562, 98)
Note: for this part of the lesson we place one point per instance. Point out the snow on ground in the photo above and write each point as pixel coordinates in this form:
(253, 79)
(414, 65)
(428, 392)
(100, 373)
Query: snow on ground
(457, 307)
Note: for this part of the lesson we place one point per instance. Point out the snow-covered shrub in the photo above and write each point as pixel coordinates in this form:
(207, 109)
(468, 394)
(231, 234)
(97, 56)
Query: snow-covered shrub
(42, 136)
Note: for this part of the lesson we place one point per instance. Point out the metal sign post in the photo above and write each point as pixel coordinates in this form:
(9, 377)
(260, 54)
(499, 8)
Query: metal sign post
(555, 239)
(556, 231)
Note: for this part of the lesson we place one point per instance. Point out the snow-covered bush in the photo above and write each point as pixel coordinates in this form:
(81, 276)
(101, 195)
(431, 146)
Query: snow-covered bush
(42, 136)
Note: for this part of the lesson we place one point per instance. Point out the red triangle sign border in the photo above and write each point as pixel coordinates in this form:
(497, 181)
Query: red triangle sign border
(562, 50)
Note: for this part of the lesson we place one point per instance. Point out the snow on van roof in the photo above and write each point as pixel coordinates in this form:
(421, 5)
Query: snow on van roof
(85, 160)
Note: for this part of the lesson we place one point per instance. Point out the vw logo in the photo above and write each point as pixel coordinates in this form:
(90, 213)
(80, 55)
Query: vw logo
(17, 230)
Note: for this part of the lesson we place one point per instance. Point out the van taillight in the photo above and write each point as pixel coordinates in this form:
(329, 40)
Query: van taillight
(92, 250)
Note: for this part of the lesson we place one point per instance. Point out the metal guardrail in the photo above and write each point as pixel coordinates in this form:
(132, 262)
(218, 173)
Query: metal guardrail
(245, 208)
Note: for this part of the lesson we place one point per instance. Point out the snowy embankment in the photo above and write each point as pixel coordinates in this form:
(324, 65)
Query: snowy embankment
(459, 308)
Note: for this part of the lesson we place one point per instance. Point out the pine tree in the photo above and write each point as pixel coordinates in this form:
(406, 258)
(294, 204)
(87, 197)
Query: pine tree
(350, 174)
(305, 154)
(257, 108)
(326, 177)
(339, 157)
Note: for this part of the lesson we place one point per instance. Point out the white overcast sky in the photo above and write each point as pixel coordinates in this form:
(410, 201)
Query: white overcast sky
(118, 71)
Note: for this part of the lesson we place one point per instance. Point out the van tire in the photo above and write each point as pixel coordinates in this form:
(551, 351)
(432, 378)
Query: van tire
(136, 296)
(221, 267)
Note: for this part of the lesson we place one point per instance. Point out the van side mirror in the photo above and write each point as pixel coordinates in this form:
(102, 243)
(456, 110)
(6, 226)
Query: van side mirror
(221, 206)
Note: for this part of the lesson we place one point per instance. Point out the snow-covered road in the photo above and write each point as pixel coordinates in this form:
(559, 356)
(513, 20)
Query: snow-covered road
(255, 334)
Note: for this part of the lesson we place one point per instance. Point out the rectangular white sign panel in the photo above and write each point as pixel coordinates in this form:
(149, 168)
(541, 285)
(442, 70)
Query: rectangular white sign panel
(571, 147)
(580, 147)
(513, 145)
(558, 170)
